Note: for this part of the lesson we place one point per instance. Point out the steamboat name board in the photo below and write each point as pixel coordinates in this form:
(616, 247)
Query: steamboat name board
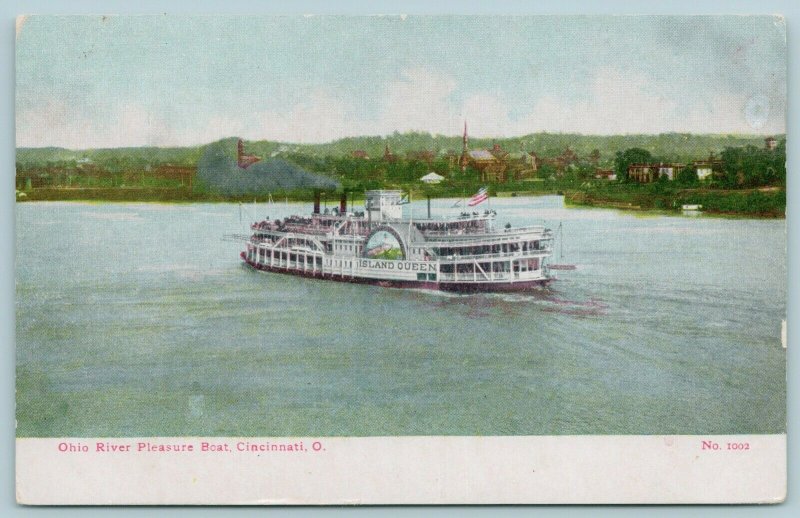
(408, 266)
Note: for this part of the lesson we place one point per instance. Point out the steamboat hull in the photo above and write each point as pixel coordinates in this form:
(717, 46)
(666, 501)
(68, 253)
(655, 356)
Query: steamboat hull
(451, 286)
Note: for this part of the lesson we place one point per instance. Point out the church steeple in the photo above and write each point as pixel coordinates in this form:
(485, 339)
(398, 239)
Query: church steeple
(387, 153)
(464, 150)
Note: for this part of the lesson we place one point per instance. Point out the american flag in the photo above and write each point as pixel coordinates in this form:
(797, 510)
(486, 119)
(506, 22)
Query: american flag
(481, 196)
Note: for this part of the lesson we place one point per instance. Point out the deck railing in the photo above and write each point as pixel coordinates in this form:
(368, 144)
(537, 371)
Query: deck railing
(481, 232)
(477, 239)
(497, 255)
(469, 277)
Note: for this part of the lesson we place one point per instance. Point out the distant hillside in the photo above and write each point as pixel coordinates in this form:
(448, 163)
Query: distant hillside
(112, 159)
(217, 171)
(668, 146)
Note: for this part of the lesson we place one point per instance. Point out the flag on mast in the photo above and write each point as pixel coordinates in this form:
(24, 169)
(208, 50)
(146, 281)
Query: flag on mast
(481, 196)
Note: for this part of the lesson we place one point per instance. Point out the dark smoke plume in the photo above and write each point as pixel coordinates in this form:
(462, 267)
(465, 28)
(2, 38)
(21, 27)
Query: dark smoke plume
(218, 172)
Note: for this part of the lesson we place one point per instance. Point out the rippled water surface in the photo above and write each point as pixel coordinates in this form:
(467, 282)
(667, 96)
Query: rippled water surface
(139, 320)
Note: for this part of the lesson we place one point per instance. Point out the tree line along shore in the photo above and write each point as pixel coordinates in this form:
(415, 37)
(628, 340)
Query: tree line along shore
(738, 175)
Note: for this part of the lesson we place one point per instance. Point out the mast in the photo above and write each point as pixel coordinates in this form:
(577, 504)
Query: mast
(411, 212)
(368, 207)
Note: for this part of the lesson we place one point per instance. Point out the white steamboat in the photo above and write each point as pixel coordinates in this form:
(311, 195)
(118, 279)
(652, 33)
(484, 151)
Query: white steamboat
(379, 246)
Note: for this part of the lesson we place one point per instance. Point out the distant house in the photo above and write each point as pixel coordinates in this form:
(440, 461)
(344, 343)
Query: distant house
(480, 156)
(498, 152)
(605, 174)
(647, 173)
(521, 166)
(491, 168)
(568, 157)
(670, 170)
(532, 160)
(360, 154)
(562, 161)
(708, 168)
(422, 156)
(770, 143)
(451, 157)
(704, 171)
(244, 160)
(388, 156)
(642, 173)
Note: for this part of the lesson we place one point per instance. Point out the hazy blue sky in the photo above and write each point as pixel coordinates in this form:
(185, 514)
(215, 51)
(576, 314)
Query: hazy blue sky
(172, 80)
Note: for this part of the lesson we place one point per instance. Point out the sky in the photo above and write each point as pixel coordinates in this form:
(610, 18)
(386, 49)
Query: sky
(117, 81)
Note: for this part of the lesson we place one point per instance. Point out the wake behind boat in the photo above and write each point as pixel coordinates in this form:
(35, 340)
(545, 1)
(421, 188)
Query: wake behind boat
(464, 253)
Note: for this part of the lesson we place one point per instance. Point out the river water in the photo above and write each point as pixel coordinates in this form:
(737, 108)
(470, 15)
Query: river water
(138, 319)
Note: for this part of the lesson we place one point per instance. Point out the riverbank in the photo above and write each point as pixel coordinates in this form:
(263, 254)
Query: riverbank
(186, 194)
(759, 203)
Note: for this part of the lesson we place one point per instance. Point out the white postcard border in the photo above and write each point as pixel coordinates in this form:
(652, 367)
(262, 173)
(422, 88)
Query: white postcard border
(674, 8)
(598, 469)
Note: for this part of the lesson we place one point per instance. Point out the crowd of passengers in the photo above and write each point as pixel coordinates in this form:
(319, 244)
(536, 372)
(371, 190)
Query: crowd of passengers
(476, 214)
(459, 227)
(299, 223)
(335, 212)
(292, 223)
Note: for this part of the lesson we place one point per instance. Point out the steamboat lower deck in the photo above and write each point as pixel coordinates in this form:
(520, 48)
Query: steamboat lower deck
(464, 286)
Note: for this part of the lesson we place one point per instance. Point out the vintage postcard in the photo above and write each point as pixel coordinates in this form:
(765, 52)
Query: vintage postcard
(400, 259)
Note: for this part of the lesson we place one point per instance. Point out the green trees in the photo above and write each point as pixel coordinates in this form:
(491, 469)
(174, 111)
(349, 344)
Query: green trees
(630, 156)
(752, 166)
(546, 171)
(687, 176)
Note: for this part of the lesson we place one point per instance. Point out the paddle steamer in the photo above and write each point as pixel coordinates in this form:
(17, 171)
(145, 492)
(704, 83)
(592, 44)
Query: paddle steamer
(378, 245)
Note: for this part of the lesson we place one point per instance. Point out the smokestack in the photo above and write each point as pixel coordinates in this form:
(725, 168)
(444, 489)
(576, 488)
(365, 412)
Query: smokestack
(343, 203)
(316, 202)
